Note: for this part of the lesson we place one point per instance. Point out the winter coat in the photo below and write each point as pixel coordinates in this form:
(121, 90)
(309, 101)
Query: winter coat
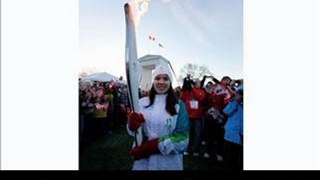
(172, 132)
(194, 102)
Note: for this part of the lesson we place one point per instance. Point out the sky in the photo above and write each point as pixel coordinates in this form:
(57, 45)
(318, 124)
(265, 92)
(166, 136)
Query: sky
(206, 32)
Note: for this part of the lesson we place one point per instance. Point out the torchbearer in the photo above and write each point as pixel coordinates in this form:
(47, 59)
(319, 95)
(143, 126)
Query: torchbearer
(160, 116)
(165, 123)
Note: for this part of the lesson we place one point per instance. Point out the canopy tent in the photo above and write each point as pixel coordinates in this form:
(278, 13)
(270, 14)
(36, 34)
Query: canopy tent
(103, 76)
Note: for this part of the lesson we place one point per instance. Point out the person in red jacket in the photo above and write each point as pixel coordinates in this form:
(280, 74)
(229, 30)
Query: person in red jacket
(223, 88)
(221, 96)
(193, 96)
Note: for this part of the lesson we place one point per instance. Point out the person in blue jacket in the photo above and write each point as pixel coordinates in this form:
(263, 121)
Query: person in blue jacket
(164, 122)
(234, 132)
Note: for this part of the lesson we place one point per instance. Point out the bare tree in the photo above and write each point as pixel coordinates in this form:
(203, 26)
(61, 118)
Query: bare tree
(195, 71)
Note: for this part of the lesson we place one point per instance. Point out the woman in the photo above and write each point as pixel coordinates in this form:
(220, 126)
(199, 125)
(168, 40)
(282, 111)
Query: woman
(193, 96)
(164, 121)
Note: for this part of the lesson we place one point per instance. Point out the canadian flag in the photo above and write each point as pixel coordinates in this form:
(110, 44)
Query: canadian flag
(152, 38)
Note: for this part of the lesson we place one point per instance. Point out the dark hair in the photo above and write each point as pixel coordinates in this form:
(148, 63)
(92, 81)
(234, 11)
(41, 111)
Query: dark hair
(226, 77)
(171, 100)
(186, 85)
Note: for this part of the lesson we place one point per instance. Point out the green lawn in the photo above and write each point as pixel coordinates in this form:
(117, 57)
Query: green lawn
(111, 153)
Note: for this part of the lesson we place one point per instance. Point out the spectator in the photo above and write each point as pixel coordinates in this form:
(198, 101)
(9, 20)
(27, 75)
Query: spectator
(193, 96)
(233, 133)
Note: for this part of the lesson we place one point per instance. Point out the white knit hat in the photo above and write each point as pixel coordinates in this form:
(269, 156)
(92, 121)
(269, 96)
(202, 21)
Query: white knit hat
(161, 70)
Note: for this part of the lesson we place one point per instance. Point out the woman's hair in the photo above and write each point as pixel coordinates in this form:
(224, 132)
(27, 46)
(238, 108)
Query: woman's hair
(171, 100)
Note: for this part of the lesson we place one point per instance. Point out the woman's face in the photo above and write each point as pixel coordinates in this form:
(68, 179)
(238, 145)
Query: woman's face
(161, 83)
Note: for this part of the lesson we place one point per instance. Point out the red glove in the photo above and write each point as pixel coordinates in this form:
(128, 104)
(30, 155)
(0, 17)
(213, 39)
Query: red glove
(145, 149)
(135, 120)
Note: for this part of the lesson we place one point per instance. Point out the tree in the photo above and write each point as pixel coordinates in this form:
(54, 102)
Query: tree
(195, 71)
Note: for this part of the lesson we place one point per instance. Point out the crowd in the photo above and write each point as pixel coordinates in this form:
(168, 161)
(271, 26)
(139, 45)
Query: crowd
(214, 110)
(102, 107)
(216, 119)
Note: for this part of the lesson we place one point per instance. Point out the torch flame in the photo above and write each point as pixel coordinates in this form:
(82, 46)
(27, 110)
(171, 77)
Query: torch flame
(140, 7)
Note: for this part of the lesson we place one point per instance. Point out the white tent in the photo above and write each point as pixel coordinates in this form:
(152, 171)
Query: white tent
(103, 76)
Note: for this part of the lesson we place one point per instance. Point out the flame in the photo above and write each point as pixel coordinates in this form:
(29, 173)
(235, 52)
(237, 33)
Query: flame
(140, 7)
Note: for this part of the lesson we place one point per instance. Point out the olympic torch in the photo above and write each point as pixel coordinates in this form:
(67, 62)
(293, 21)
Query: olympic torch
(132, 68)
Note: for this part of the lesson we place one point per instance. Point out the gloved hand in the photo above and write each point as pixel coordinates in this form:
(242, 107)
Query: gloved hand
(145, 149)
(135, 120)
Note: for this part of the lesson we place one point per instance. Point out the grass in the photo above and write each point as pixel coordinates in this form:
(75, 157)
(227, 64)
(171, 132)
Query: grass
(111, 153)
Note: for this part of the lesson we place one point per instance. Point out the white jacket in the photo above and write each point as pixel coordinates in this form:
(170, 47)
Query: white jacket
(171, 130)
